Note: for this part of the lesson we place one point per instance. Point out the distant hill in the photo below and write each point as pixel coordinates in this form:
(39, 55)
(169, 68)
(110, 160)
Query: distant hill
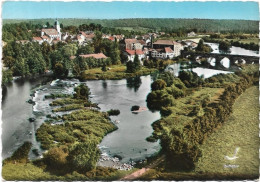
(207, 25)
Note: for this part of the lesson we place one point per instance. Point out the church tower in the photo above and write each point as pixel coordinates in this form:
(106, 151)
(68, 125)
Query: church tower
(57, 26)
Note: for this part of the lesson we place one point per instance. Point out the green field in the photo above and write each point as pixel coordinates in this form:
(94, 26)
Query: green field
(241, 130)
(247, 41)
(115, 72)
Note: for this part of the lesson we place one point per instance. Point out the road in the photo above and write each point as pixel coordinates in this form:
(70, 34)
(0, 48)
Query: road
(140, 172)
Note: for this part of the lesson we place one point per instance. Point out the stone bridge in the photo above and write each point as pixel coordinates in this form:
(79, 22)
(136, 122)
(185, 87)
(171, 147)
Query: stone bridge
(234, 59)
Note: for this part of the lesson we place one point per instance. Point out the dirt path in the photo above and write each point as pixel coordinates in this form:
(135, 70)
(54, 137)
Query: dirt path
(140, 172)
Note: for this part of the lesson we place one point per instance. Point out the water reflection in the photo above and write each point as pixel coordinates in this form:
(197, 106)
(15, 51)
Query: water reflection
(134, 83)
(104, 84)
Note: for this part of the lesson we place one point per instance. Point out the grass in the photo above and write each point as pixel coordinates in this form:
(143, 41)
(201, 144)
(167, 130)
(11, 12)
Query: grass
(115, 72)
(241, 130)
(24, 172)
(185, 105)
(69, 107)
(247, 41)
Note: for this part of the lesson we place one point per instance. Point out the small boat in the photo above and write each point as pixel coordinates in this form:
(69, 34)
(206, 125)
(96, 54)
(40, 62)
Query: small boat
(117, 121)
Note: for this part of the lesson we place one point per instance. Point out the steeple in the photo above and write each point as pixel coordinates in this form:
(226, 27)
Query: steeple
(57, 25)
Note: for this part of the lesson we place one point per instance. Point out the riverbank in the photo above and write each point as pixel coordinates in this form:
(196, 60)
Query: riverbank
(213, 164)
(194, 129)
(115, 72)
(66, 139)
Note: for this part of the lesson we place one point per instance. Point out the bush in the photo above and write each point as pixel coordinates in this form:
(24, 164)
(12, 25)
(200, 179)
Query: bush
(113, 112)
(158, 85)
(21, 154)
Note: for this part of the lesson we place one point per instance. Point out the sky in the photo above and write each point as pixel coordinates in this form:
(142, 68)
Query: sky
(118, 10)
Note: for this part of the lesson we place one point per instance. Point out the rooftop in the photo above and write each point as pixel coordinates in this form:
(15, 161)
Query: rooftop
(96, 56)
(166, 42)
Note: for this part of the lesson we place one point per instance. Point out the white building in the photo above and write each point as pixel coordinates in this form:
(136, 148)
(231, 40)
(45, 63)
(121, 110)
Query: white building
(131, 55)
(165, 53)
(53, 33)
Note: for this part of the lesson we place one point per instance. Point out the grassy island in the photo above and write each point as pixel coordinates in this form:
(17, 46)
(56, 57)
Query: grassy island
(71, 144)
(115, 72)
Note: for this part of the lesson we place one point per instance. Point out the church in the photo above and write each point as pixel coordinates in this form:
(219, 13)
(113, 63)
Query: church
(52, 33)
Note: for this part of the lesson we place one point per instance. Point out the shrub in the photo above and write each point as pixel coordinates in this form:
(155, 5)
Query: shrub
(113, 112)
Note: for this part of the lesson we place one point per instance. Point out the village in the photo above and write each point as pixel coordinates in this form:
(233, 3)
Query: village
(146, 46)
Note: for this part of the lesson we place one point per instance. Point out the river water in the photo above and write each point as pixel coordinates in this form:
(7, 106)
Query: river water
(233, 50)
(128, 141)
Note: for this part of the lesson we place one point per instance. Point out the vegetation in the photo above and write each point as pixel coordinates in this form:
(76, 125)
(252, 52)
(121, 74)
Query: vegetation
(223, 141)
(113, 112)
(250, 42)
(132, 67)
(115, 72)
(72, 150)
(224, 46)
(231, 135)
(161, 24)
(203, 47)
(189, 120)
(20, 155)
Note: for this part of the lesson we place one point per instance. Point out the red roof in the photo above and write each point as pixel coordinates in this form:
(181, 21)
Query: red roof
(131, 41)
(96, 56)
(168, 50)
(90, 36)
(37, 38)
(50, 31)
(111, 38)
(166, 42)
(133, 52)
(45, 37)
(83, 33)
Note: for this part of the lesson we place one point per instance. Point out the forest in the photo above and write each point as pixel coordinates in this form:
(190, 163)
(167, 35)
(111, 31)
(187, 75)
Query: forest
(159, 24)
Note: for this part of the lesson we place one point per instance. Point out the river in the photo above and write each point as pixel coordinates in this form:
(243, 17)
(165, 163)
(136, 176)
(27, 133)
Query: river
(233, 50)
(128, 141)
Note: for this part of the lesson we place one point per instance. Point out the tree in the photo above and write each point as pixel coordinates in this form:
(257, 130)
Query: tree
(137, 63)
(158, 85)
(167, 77)
(130, 67)
(104, 68)
(83, 156)
(224, 46)
(59, 70)
(7, 76)
(56, 157)
(81, 92)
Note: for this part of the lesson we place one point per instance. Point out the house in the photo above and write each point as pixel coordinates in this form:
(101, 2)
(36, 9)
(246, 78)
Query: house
(189, 44)
(175, 46)
(46, 39)
(37, 39)
(133, 44)
(95, 56)
(89, 37)
(131, 54)
(191, 34)
(164, 53)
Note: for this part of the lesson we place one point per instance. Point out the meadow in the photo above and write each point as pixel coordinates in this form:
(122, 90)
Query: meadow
(240, 131)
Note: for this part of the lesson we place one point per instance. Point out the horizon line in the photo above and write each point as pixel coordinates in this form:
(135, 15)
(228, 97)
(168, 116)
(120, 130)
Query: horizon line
(125, 18)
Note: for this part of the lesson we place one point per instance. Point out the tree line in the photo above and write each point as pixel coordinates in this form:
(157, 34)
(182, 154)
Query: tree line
(164, 24)
(181, 142)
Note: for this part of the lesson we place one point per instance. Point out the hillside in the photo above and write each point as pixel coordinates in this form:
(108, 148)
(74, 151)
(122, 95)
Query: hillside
(207, 25)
